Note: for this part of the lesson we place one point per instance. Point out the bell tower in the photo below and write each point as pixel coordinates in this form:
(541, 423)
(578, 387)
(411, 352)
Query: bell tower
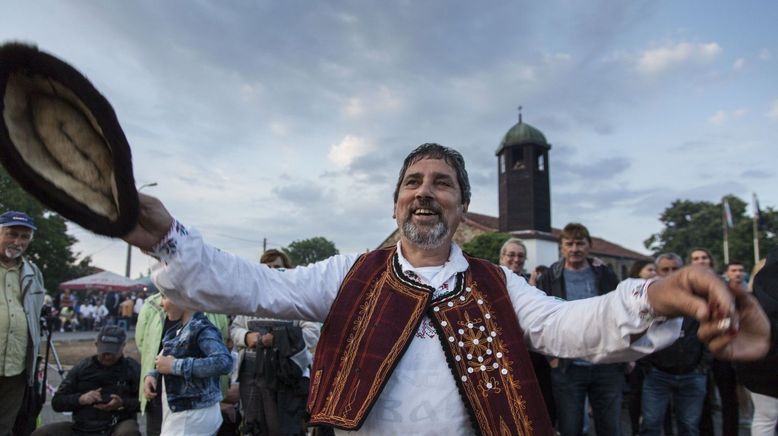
(523, 179)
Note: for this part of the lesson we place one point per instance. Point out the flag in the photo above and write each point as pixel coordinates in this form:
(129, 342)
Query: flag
(728, 214)
(758, 217)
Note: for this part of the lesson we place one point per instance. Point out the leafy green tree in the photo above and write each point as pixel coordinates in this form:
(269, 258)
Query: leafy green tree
(486, 246)
(689, 224)
(310, 250)
(52, 247)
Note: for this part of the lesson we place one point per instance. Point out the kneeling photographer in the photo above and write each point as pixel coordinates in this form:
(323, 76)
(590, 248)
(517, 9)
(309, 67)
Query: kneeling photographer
(101, 391)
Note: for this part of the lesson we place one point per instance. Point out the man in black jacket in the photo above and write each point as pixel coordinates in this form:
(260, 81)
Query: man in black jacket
(101, 391)
(574, 277)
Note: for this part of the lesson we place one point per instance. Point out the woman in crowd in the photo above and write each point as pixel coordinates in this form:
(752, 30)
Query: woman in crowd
(274, 366)
(700, 256)
(642, 269)
(513, 255)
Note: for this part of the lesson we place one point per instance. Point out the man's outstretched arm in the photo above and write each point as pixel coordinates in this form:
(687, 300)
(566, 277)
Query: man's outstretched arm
(627, 323)
(198, 276)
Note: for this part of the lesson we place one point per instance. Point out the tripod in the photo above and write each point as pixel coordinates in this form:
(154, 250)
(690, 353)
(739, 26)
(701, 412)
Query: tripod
(50, 348)
(35, 395)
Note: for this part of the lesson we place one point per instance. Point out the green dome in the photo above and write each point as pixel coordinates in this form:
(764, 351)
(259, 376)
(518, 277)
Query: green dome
(523, 133)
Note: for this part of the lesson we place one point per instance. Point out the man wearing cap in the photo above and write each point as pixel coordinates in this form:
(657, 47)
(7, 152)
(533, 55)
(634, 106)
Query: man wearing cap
(100, 391)
(21, 300)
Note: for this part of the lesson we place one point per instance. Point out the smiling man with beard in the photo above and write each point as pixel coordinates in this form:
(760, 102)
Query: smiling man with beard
(21, 300)
(420, 338)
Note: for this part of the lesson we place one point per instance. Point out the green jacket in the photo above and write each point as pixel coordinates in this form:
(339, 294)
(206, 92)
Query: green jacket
(148, 335)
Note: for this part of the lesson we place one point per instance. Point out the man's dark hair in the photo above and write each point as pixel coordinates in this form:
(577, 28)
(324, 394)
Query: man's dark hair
(734, 262)
(437, 151)
(575, 231)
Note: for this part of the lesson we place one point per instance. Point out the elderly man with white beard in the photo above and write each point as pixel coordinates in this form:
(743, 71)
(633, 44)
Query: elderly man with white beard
(420, 338)
(20, 311)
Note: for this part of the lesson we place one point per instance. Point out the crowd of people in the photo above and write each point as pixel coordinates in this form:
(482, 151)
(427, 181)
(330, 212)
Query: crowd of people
(674, 390)
(90, 310)
(416, 338)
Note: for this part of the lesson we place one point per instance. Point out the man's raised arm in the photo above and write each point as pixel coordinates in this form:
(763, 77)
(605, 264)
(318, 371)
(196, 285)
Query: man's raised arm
(201, 277)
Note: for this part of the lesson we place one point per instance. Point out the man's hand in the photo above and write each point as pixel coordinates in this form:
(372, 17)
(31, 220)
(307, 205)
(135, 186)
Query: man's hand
(154, 221)
(267, 340)
(150, 387)
(750, 342)
(228, 411)
(731, 331)
(164, 364)
(91, 397)
(251, 339)
(533, 278)
(115, 404)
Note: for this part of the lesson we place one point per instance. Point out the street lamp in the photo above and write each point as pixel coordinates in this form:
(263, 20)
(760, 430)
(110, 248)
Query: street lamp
(129, 247)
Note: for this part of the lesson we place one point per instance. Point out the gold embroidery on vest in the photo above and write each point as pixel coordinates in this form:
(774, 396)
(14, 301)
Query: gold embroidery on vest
(474, 341)
(387, 282)
(315, 384)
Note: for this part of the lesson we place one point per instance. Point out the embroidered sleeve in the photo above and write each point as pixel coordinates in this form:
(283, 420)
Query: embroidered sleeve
(168, 245)
(640, 295)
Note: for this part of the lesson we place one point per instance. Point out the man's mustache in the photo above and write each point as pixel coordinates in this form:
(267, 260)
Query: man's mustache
(428, 204)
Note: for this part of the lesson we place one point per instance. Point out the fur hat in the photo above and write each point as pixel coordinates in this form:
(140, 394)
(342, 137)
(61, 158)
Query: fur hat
(60, 139)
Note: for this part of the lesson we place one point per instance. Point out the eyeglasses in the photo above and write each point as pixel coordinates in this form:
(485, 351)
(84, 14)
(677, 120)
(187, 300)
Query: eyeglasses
(512, 254)
(669, 268)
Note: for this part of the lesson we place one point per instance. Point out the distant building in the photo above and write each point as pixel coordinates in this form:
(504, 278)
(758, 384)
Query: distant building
(525, 205)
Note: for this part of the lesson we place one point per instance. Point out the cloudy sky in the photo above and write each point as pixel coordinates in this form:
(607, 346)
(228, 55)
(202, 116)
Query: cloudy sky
(289, 119)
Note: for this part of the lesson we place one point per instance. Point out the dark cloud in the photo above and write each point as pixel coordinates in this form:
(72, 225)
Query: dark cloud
(757, 174)
(574, 169)
(304, 193)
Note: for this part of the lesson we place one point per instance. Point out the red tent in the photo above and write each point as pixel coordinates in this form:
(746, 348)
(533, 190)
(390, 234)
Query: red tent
(104, 281)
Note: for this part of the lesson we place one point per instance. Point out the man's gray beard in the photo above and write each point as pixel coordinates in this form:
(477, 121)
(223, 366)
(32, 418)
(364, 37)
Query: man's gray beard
(12, 253)
(434, 238)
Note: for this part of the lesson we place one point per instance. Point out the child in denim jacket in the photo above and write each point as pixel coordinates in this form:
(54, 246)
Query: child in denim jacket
(193, 357)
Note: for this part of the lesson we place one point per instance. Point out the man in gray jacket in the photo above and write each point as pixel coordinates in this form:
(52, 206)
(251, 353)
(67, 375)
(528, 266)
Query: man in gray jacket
(21, 300)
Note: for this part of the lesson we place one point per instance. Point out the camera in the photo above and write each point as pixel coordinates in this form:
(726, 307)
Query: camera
(106, 398)
(48, 314)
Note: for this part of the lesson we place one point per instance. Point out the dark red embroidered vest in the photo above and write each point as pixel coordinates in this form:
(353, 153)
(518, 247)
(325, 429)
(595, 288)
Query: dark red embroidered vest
(373, 320)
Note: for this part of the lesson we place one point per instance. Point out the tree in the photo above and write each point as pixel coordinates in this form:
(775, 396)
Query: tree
(486, 246)
(51, 247)
(690, 224)
(310, 250)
